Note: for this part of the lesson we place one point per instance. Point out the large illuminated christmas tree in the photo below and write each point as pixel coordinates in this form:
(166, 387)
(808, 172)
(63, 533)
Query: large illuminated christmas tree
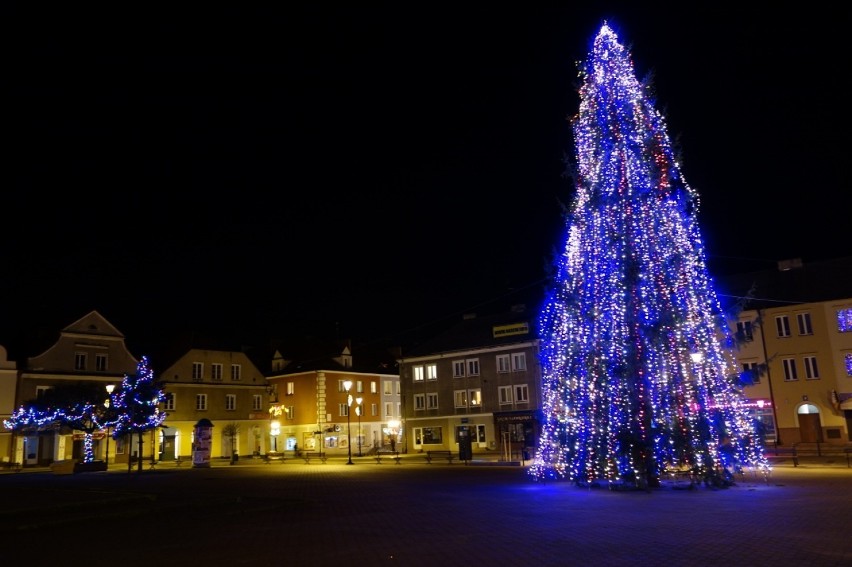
(638, 366)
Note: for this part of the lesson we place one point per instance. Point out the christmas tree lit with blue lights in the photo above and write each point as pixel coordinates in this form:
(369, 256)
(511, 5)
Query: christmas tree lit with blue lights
(638, 366)
(137, 405)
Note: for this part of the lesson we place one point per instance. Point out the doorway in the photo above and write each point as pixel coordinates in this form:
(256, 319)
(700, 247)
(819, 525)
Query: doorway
(810, 426)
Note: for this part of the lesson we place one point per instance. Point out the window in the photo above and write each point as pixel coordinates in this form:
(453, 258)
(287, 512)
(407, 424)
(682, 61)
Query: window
(389, 409)
(374, 388)
(374, 409)
(752, 372)
(419, 401)
(432, 436)
(387, 387)
(230, 402)
(519, 361)
(472, 366)
(398, 388)
(790, 373)
(432, 400)
(458, 368)
(170, 401)
(782, 326)
(359, 386)
(290, 412)
(236, 373)
(256, 402)
(201, 402)
(811, 370)
(804, 321)
(291, 388)
(745, 331)
(197, 371)
(503, 363)
(418, 373)
(460, 397)
(399, 408)
(431, 371)
(844, 320)
(80, 361)
(340, 386)
(504, 393)
(475, 397)
(343, 410)
(216, 372)
(101, 362)
(522, 394)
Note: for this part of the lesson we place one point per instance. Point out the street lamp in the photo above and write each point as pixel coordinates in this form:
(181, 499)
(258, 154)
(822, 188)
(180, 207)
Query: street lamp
(109, 389)
(275, 431)
(358, 400)
(346, 386)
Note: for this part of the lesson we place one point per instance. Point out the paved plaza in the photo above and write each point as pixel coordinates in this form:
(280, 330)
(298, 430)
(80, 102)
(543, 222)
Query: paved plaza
(418, 514)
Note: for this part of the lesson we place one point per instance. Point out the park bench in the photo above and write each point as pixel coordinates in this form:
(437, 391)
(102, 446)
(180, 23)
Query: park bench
(271, 456)
(445, 454)
(389, 454)
(308, 455)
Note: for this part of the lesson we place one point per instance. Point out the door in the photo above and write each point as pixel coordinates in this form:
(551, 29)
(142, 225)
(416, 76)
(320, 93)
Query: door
(810, 428)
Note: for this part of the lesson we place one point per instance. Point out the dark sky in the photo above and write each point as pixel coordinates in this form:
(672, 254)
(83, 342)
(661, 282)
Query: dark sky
(376, 171)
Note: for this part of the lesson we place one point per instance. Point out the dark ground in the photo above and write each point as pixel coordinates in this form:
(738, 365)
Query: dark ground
(417, 514)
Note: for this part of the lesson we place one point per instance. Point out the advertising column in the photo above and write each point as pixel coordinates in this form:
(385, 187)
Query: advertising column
(201, 444)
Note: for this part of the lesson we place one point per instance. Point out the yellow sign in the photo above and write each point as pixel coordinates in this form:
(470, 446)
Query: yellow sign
(510, 330)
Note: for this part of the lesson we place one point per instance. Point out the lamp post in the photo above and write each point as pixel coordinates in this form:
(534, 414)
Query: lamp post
(358, 401)
(346, 386)
(275, 431)
(109, 389)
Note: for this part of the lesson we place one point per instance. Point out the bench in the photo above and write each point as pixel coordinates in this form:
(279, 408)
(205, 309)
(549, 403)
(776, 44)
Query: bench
(307, 456)
(389, 454)
(269, 457)
(445, 454)
(178, 462)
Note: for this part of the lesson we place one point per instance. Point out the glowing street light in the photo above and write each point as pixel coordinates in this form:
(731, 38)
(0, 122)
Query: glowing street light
(346, 386)
(275, 431)
(109, 389)
(358, 401)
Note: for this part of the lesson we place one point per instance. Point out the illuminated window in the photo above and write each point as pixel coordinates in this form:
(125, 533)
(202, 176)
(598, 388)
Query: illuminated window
(844, 320)
(475, 397)
(418, 373)
(460, 397)
(431, 371)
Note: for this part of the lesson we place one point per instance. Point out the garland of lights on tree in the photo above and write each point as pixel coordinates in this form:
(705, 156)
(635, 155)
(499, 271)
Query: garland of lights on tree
(137, 402)
(639, 375)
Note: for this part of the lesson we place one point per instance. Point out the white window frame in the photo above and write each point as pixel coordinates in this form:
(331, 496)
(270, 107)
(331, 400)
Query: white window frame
(503, 363)
(474, 397)
(216, 370)
(782, 326)
(343, 409)
(790, 372)
(458, 369)
(101, 362)
(519, 361)
(374, 388)
(811, 367)
(472, 366)
(432, 400)
(256, 402)
(432, 371)
(504, 394)
(419, 402)
(236, 373)
(417, 372)
(291, 388)
(169, 404)
(522, 394)
(197, 371)
(460, 398)
(201, 402)
(230, 402)
(804, 323)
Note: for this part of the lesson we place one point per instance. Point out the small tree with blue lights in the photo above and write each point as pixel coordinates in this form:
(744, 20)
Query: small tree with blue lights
(638, 367)
(137, 406)
(70, 405)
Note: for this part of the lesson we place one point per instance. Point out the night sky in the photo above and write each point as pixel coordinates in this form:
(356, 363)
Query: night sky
(374, 172)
